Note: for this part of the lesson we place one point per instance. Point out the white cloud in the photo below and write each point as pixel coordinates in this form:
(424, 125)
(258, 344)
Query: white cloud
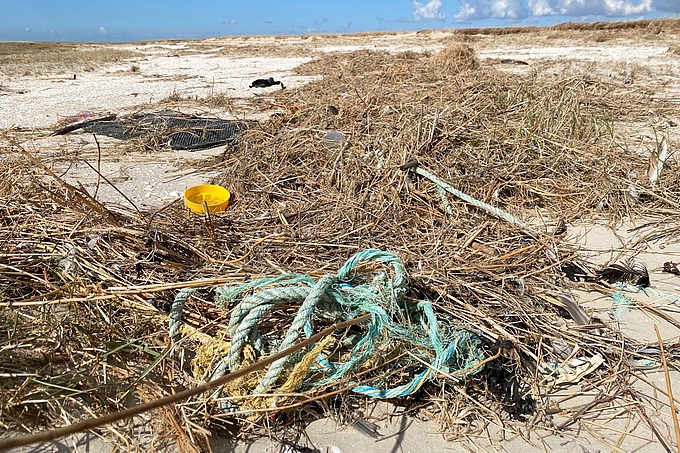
(102, 30)
(609, 8)
(497, 9)
(521, 9)
(508, 9)
(541, 8)
(468, 12)
(429, 10)
(233, 22)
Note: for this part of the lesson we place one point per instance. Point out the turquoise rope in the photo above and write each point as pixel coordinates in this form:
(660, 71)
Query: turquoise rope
(175, 317)
(622, 302)
(304, 319)
(337, 297)
(442, 357)
(672, 298)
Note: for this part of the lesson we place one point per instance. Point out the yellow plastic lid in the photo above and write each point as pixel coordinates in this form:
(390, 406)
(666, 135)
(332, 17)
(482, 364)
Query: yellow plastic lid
(214, 198)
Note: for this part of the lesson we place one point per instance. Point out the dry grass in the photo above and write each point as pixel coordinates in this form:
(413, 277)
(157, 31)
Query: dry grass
(621, 33)
(37, 58)
(637, 27)
(453, 59)
(542, 150)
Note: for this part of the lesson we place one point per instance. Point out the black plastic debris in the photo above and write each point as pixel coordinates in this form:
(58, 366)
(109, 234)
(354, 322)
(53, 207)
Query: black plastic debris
(515, 62)
(636, 274)
(176, 129)
(265, 83)
(578, 272)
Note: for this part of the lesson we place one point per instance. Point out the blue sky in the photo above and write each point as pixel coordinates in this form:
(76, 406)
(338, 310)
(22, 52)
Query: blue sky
(126, 20)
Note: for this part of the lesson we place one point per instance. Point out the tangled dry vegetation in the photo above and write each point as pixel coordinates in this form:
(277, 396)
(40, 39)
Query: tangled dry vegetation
(85, 288)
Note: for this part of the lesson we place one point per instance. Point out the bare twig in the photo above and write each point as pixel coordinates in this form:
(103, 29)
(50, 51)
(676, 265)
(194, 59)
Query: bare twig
(674, 414)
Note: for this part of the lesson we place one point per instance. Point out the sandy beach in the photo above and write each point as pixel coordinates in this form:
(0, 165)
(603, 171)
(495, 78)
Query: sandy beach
(586, 412)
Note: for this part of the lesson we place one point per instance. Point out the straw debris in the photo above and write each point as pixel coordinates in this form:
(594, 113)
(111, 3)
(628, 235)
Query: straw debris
(85, 294)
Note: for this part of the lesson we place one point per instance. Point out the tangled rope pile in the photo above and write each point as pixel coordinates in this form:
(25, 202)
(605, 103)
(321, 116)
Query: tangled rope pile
(398, 325)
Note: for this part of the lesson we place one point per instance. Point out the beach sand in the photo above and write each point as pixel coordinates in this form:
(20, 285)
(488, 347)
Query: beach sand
(201, 69)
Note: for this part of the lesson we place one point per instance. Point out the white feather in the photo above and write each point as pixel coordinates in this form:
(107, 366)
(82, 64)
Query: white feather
(657, 161)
